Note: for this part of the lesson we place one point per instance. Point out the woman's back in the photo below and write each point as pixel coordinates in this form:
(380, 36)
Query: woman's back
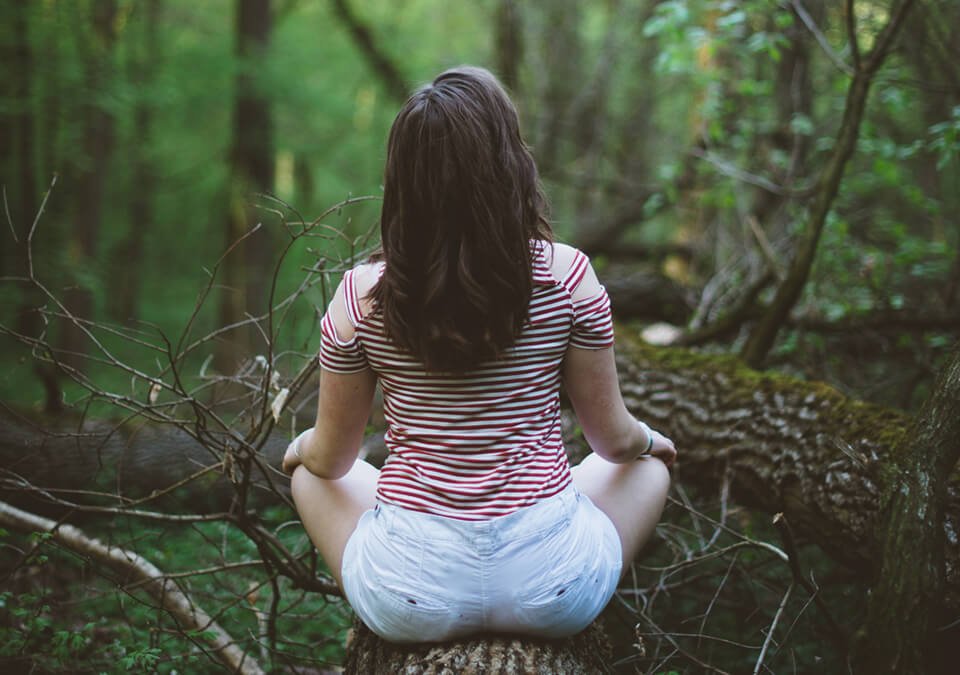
(485, 442)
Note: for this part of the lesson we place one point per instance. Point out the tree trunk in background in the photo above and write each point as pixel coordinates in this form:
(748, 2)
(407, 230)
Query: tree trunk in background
(247, 269)
(50, 158)
(904, 604)
(90, 183)
(384, 67)
(21, 194)
(127, 257)
(303, 184)
(793, 96)
(508, 39)
(561, 69)
(765, 332)
(25, 198)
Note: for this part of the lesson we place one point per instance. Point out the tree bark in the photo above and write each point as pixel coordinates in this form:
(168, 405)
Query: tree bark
(904, 603)
(126, 263)
(246, 269)
(508, 38)
(789, 446)
(586, 652)
(98, 141)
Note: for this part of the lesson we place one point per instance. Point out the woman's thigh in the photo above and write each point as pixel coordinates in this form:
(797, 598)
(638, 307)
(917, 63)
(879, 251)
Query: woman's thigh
(632, 495)
(330, 509)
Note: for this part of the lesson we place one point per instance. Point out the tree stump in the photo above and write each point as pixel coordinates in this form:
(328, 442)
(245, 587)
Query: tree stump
(586, 652)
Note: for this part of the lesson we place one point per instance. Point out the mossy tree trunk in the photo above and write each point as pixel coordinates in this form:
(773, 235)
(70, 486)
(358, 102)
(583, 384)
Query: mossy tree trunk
(800, 448)
(905, 600)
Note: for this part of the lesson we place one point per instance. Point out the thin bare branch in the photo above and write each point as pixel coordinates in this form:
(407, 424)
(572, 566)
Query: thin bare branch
(128, 563)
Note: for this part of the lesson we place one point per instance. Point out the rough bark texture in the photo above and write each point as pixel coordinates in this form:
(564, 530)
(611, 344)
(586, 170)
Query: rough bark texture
(586, 652)
(800, 448)
(904, 601)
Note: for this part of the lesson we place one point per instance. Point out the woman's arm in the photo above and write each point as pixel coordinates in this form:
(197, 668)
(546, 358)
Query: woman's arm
(330, 448)
(590, 378)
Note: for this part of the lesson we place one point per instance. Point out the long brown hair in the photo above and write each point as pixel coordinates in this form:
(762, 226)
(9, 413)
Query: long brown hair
(462, 202)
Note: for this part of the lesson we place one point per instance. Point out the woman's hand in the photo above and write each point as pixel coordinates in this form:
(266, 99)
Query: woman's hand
(662, 448)
(292, 458)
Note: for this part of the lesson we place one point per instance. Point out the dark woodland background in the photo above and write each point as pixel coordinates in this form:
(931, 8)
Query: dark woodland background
(769, 190)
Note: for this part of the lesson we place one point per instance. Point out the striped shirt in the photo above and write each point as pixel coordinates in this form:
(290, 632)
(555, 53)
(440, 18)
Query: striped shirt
(487, 442)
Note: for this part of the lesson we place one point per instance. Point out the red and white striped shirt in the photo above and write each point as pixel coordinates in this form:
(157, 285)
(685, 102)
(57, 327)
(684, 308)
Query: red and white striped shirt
(487, 442)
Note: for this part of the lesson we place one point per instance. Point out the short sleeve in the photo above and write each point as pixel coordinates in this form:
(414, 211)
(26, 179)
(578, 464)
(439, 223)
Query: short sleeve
(337, 355)
(592, 322)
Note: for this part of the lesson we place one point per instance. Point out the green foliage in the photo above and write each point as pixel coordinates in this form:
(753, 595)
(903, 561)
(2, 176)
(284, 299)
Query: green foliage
(48, 626)
(945, 139)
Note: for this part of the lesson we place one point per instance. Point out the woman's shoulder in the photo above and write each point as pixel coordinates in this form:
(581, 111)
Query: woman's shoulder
(561, 258)
(571, 267)
(363, 278)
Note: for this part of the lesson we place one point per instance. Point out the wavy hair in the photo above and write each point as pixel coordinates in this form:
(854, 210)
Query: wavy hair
(462, 203)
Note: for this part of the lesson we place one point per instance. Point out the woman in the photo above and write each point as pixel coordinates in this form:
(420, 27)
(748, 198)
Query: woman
(470, 319)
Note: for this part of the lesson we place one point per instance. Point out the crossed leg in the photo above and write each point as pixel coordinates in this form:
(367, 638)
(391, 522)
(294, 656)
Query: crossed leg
(330, 509)
(632, 495)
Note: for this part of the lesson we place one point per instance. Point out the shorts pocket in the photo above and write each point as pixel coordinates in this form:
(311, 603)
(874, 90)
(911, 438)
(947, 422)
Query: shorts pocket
(559, 607)
(408, 615)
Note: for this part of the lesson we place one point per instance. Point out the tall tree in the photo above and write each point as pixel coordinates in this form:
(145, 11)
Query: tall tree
(246, 269)
(508, 38)
(18, 138)
(127, 256)
(90, 177)
(864, 69)
(376, 57)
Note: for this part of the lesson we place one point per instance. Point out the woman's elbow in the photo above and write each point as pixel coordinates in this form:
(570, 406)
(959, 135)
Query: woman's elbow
(619, 447)
(326, 467)
(616, 453)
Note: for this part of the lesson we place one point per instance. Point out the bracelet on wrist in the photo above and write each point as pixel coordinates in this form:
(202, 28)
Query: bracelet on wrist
(649, 433)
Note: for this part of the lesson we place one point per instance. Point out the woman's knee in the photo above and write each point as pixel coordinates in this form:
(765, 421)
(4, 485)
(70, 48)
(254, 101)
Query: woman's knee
(655, 476)
(302, 483)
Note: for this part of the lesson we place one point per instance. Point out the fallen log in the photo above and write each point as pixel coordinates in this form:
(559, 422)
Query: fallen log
(786, 445)
(586, 653)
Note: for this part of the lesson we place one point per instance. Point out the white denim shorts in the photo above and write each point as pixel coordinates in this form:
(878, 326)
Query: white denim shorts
(547, 569)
